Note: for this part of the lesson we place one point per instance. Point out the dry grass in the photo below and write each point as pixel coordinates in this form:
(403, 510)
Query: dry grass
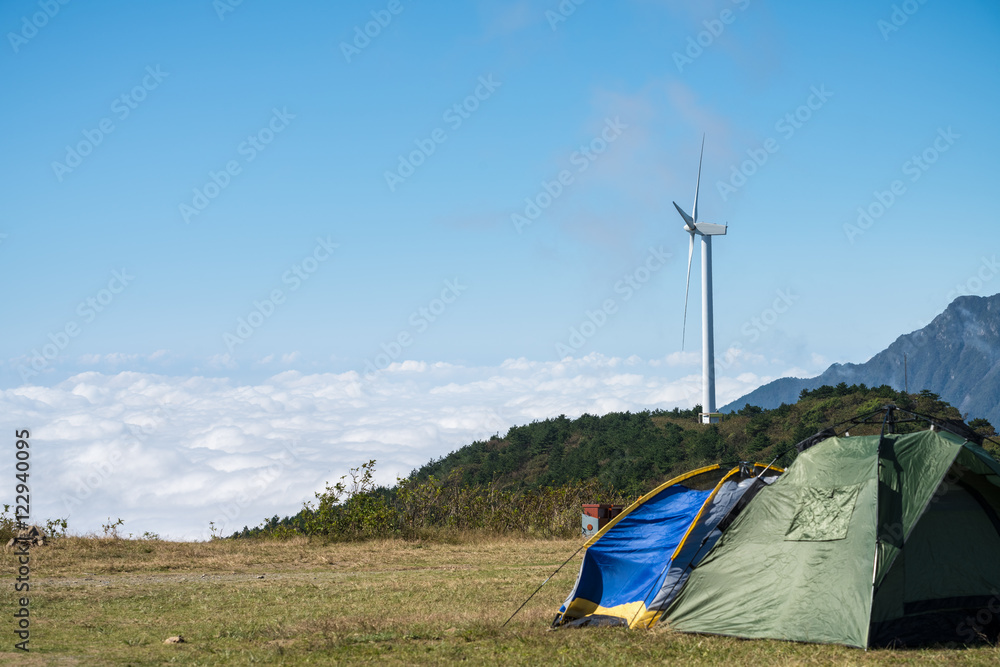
(113, 602)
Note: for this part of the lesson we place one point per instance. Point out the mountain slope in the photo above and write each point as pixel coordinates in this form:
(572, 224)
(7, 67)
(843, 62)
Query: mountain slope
(956, 356)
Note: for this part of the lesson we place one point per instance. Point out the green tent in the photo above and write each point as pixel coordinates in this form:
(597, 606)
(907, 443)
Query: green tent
(889, 539)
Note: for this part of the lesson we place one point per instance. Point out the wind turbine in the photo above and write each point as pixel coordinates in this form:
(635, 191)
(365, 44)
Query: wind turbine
(706, 231)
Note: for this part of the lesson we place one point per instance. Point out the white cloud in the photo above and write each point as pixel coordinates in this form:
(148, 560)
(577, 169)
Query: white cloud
(679, 359)
(169, 454)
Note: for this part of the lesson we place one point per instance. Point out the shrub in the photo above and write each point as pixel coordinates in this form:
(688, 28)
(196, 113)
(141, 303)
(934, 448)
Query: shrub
(356, 509)
(352, 511)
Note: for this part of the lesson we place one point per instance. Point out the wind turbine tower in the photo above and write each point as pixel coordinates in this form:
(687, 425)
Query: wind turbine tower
(706, 231)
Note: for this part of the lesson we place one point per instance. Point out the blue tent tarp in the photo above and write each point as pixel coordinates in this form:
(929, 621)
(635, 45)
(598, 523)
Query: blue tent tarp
(634, 567)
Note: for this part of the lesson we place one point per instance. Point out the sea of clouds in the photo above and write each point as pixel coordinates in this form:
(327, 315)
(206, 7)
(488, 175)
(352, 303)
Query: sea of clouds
(171, 454)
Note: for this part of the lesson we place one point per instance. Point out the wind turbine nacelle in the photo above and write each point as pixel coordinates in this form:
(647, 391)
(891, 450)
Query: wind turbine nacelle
(709, 229)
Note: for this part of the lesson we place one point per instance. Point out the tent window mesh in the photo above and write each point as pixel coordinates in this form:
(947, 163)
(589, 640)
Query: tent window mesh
(823, 514)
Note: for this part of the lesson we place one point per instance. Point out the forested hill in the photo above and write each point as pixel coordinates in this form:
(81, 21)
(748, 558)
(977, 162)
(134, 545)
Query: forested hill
(519, 482)
(634, 451)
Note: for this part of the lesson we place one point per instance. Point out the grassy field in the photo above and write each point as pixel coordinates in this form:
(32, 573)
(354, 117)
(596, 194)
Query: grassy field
(96, 601)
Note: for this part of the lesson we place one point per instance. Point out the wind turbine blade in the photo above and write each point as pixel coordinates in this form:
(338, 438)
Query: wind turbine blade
(687, 286)
(697, 184)
(688, 222)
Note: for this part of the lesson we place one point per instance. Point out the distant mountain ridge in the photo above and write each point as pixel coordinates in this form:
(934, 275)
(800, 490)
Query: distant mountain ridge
(956, 356)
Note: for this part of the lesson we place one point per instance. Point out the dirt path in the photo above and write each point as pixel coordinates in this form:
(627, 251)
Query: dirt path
(129, 579)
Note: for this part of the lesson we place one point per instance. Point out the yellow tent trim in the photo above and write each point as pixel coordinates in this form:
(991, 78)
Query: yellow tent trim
(709, 500)
(647, 620)
(581, 608)
(642, 499)
(768, 466)
(701, 511)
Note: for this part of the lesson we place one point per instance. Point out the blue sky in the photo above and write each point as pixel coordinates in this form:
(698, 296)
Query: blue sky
(885, 81)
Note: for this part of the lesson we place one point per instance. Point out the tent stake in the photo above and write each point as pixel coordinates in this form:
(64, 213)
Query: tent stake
(542, 584)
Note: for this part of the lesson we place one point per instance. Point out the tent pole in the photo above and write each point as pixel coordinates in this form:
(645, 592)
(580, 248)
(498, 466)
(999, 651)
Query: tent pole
(542, 584)
(887, 424)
